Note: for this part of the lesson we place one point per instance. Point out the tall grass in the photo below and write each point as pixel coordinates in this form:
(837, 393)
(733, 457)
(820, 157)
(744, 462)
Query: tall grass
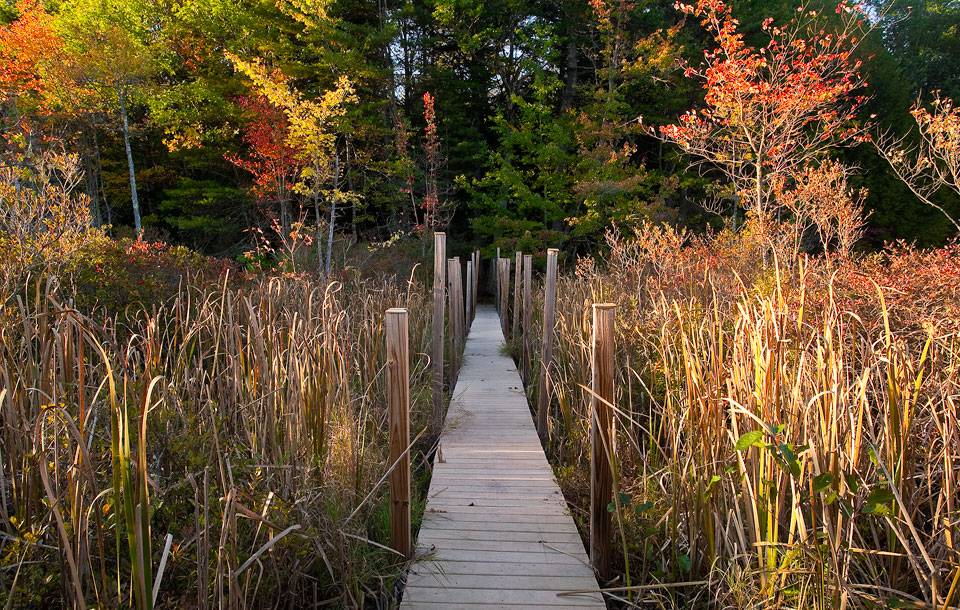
(786, 438)
(225, 449)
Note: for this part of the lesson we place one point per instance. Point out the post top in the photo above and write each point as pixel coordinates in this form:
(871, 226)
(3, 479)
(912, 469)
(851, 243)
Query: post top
(553, 250)
(604, 305)
(396, 310)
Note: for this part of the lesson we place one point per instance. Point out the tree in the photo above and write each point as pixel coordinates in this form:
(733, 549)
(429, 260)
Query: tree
(273, 163)
(28, 46)
(43, 219)
(311, 131)
(933, 163)
(436, 212)
(113, 55)
(770, 112)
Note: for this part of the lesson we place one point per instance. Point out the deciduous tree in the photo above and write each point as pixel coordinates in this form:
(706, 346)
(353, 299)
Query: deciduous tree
(771, 111)
(311, 132)
(932, 164)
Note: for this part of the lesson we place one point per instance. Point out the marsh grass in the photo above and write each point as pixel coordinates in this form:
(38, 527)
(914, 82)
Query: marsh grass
(785, 437)
(223, 449)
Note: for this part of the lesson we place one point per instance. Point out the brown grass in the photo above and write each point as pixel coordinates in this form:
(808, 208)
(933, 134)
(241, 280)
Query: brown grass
(225, 449)
(786, 439)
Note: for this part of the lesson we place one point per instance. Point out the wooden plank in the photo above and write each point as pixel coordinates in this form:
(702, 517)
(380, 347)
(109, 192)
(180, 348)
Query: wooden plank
(496, 531)
(433, 534)
(488, 581)
(501, 596)
(502, 568)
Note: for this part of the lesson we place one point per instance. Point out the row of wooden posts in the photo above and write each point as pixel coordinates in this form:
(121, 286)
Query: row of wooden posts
(448, 298)
(454, 304)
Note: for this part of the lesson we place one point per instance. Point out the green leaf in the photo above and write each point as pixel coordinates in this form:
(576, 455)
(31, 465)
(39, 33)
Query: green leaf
(750, 439)
(642, 508)
(684, 561)
(713, 481)
(879, 502)
(611, 507)
(624, 499)
(822, 482)
(852, 482)
(790, 459)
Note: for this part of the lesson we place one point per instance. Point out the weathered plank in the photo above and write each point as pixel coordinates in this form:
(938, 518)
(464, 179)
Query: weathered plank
(497, 532)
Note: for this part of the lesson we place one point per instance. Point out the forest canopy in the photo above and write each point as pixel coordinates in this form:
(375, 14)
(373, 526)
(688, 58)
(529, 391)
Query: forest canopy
(215, 124)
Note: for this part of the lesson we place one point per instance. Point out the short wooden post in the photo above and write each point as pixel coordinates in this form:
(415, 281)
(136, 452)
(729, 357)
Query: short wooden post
(545, 387)
(517, 293)
(601, 438)
(527, 316)
(468, 313)
(505, 297)
(476, 284)
(398, 392)
(439, 302)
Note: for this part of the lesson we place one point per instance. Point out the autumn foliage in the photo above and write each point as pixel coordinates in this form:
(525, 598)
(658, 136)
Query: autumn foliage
(26, 45)
(271, 160)
(772, 111)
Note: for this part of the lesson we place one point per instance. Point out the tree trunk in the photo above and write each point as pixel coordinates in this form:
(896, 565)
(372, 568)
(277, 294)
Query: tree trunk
(134, 198)
(318, 236)
(333, 211)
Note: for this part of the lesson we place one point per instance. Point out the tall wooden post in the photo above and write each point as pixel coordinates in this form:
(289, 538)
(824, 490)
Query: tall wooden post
(458, 307)
(527, 316)
(601, 438)
(517, 294)
(455, 302)
(505, 296)
(398, 394)
(495, 266)
(545, 388)
(439, 298)
(468, 313)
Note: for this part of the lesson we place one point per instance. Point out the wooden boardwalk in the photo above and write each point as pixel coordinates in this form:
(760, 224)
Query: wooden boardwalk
(496, 532)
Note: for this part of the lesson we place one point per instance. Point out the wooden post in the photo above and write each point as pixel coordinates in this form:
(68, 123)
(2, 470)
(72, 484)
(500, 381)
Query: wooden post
(527, 316)
(546, 348)
(398, 393)
(439, 298)
(496, 279)
(476, 282)
(458, 308)
(455, 302)
(468, 313)
(601, 438)
(505, 296)
(517, 293)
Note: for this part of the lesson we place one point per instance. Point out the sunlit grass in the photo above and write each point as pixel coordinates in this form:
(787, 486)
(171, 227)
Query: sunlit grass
(223, 449)
(784, 437)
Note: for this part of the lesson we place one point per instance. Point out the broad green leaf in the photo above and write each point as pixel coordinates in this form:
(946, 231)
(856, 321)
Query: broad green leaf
(750, 439)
